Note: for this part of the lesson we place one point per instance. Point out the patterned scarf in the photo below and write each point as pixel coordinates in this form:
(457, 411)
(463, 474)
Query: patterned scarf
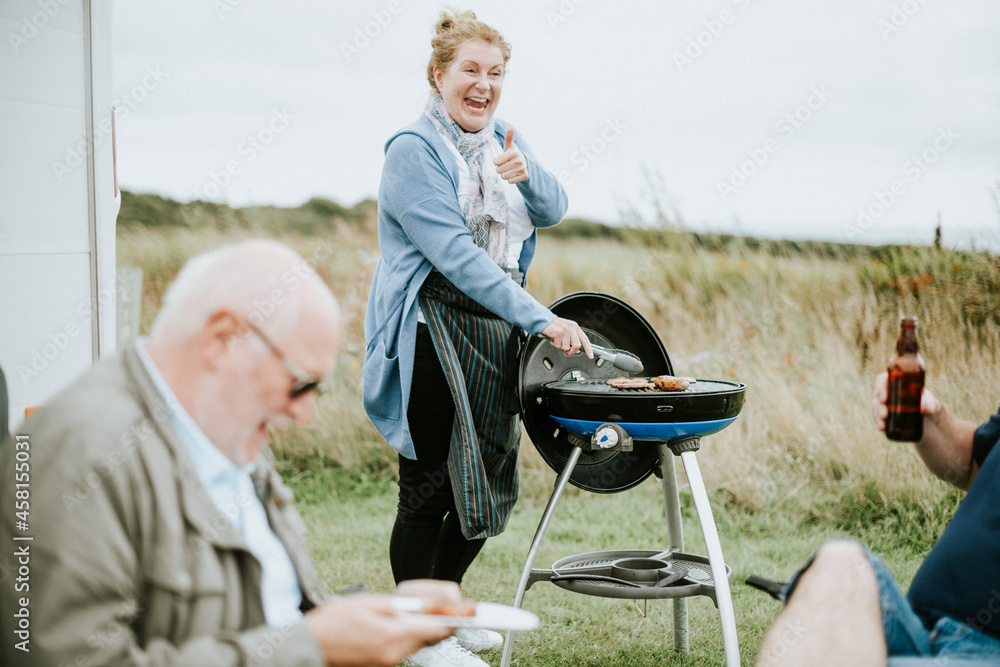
(485, 209)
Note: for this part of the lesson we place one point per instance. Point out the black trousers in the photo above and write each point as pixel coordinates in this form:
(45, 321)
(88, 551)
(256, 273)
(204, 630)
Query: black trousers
(427, 540)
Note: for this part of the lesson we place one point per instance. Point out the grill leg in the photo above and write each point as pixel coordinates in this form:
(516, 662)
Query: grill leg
(724, 599)
(675, 537)
(536, 543)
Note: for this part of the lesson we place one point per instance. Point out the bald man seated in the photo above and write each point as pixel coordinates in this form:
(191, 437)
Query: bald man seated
(160, 533)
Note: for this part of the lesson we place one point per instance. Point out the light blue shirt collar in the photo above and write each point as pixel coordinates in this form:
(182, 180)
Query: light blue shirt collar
(231, 490)
(217, 473)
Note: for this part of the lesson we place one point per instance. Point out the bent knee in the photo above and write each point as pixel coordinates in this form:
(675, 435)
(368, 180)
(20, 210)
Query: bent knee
(844, 561)
(842, 553)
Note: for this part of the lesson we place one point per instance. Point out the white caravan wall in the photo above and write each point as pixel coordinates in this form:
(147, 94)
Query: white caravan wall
(58, 202)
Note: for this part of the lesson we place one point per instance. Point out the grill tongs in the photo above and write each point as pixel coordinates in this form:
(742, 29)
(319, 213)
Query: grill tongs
(620, 359)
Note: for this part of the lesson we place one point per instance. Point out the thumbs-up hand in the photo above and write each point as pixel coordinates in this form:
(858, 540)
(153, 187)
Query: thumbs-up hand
(511, 164)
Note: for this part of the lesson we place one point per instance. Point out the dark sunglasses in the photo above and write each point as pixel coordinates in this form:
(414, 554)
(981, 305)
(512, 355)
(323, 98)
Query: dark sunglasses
(304, 382)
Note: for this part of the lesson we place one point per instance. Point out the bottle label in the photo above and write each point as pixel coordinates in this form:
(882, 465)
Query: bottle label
(904, 421)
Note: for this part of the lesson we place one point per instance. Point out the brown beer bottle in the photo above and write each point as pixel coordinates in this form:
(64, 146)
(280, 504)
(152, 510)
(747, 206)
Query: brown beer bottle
(906, 384)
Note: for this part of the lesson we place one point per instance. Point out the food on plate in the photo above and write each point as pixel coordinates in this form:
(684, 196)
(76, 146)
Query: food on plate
(631, 383)
(671, 383)
(450, 608)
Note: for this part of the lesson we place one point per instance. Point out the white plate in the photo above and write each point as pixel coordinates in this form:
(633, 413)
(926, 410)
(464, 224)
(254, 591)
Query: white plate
(488, 615)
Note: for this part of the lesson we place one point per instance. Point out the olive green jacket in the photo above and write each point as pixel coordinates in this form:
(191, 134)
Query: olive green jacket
(129, 562)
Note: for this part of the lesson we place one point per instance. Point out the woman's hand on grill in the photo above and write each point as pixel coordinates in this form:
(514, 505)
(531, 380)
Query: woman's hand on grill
(568, 337)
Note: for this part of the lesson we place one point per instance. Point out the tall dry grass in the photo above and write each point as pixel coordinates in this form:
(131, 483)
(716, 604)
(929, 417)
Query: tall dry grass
(807, 333)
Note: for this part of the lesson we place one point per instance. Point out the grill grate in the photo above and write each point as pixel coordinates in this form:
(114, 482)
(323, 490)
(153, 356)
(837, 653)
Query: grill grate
(600, 386)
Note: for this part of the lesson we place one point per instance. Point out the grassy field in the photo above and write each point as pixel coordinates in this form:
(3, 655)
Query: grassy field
(349, 519)
(805, 326)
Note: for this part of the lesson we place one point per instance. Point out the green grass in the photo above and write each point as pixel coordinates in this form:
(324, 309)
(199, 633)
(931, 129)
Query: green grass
(350, 517)
(805, 325)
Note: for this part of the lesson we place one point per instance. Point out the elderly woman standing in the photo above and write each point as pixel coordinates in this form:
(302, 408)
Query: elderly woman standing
(460, 198)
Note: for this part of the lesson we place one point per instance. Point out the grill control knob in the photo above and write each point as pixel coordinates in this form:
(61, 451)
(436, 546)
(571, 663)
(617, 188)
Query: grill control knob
(610, 437)
(605, 438)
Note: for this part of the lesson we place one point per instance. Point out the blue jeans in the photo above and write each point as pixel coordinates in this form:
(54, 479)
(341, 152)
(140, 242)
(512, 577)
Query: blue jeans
(907, 633)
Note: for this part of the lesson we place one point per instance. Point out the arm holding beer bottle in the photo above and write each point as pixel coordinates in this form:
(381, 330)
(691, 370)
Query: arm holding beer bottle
(946, 445)
(857, 619)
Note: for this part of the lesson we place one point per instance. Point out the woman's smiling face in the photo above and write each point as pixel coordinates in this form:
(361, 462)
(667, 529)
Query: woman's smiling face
(471, 84)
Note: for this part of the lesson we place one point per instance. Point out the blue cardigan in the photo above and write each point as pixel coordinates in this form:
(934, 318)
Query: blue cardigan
(420, 227)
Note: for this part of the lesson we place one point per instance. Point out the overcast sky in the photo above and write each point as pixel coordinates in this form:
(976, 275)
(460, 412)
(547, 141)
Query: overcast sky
(857, 120)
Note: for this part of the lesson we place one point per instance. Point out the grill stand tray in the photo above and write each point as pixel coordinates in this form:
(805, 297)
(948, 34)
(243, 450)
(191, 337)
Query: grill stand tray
(593, 573)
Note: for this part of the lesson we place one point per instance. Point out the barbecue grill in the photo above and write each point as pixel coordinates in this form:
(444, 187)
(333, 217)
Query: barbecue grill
(607, 440)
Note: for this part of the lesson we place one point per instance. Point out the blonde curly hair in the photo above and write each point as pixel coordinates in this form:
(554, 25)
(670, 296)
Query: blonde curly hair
(454, 29)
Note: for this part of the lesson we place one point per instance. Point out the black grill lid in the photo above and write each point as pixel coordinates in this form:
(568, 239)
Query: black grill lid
(610, 322)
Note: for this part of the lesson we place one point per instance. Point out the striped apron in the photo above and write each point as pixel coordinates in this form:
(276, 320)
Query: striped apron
(482, 462)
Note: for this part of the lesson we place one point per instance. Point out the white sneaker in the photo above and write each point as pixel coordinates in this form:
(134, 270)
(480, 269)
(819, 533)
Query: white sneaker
(477, 639)
(445, 654)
